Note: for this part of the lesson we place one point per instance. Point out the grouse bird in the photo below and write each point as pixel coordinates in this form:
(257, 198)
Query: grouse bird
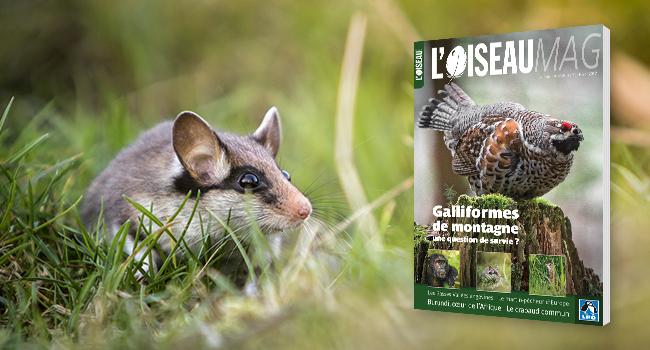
(503, 147)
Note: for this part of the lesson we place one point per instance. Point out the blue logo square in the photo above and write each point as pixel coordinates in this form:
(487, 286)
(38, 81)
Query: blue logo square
(589, 310)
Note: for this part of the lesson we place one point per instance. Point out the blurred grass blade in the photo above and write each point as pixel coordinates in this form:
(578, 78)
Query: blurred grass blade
(633, 163)
(395, 19)
(4, 115)
(347, 92)
(639, 185)
(344, 141)
(28, 148)
(64, 166)
(616, 188)
(30, 203)
(4, 224)
(392, 193)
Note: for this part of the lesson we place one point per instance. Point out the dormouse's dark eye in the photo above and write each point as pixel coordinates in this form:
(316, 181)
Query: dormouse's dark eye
(249, 180)
(286, 174)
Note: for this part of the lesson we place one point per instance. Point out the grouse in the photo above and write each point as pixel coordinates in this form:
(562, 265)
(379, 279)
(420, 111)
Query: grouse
(503, 147)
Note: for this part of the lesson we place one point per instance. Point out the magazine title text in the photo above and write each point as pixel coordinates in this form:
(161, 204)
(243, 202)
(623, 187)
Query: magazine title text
(517, 56)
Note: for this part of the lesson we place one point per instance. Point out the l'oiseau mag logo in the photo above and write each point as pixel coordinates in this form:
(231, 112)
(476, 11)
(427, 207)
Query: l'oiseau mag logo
(567, 55)
(418, 62)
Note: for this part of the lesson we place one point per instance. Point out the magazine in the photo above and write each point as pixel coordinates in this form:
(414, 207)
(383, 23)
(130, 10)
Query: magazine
(512, 175)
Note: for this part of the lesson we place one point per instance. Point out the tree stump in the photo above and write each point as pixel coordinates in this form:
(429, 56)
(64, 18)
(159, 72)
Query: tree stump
(542, 229)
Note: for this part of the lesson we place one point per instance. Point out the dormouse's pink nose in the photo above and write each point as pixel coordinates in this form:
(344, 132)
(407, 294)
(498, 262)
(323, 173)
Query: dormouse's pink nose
(303, 208)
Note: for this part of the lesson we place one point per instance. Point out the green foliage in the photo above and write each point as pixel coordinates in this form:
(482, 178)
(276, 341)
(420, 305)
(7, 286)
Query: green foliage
(540, 281)
(450, 194)
(63, 284)
(493, 283)
(41, 269)
(539, 201)
(488, 201)
(420, 233)
(92, 75)
(632, 181)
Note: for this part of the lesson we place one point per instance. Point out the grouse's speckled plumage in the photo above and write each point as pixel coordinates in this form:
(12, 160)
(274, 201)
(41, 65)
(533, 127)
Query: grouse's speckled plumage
(503, 147)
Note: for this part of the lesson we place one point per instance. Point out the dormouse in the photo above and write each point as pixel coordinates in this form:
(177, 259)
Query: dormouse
(230, 171)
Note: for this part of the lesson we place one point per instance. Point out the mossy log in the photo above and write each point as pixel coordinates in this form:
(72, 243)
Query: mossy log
(542, 229)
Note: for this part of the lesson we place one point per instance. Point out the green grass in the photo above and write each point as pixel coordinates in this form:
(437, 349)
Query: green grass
(540, 283)
(63, 284)
(93, 75)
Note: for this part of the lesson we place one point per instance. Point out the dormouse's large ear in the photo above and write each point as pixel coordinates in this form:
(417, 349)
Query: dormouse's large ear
(198, 148)
(268, 134)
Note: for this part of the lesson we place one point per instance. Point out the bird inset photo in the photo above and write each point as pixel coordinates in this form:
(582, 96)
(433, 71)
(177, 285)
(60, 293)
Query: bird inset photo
(442, 268)
(493, 272)
(547, 275)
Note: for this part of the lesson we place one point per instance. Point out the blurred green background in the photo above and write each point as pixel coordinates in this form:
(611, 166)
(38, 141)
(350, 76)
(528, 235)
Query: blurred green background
(94, 74)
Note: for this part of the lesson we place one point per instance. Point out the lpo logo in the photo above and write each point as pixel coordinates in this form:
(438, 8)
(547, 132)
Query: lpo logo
(589, 310)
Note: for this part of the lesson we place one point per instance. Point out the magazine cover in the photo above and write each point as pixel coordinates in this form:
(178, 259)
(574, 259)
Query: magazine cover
(512, 175)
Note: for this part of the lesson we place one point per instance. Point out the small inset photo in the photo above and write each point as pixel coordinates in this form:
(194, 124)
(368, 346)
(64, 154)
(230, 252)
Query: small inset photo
(493, 272)
(442, 268)
(547, 275)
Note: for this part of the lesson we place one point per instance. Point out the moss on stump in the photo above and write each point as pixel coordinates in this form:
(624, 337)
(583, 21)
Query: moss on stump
(543, 229)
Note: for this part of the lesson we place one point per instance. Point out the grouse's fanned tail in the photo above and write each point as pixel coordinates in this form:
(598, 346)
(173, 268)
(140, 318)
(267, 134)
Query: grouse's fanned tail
(459, 96)
(502, 147)
(440, 115)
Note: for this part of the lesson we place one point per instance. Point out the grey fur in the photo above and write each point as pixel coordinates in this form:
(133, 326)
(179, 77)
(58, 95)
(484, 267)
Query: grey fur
(148, 172)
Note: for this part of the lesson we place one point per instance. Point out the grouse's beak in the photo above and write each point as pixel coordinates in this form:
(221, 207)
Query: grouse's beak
(577, 133)
(579, 137)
